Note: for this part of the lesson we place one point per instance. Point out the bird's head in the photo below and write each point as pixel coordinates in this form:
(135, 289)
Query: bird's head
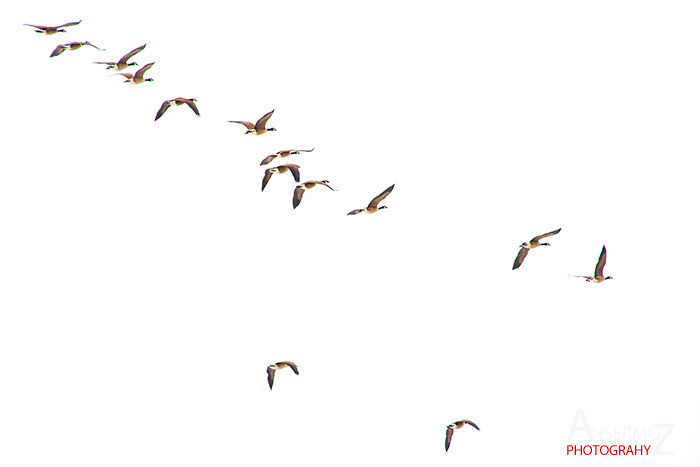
(383, 207)
(148, 79)
(545, 244)
(61, 30)
(132, 64)
(609, 277)
(523, 245)
(272, 129)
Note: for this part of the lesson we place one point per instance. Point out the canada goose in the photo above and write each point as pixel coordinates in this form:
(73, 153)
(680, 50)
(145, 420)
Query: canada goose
(280, 169)
(599, 277)
(534, 243)
(138, 77)
(259, 127)
(72, 46)
(49, 30)
(300, 189)
(372, 206)
(286, 153)
(177, 101)
(123, 62)
(278, 366)
(455, 426)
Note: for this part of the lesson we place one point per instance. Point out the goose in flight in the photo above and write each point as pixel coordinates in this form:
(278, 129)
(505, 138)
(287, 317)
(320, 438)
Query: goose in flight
(138, 77)
(177, 101)
(280, 169)
(49, 30)
(455, 426)
(373, 205)
(72, 46)
(285, 153)
(123, 62)
(278, 366)
(300, 189)
(598, 277)
(534, 243)
(259, 127)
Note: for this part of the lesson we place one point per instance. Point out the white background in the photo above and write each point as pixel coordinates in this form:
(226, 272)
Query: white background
(146, 282)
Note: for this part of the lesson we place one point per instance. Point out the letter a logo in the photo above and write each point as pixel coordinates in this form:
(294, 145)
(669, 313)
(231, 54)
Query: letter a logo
(581, 425)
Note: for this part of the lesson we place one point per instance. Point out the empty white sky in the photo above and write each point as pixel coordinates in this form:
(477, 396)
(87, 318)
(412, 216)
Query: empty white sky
(146, 283)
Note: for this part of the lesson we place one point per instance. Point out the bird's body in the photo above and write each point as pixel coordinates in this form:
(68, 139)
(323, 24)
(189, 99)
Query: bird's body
(138, 77)
(527, 246)
(50, 30)
(259, 127)
(177, 101)
(285, 153)
(373, 205)
(300, 189)
(280, 169)
(594, 279)
(455, 426)
(598, 276)
(278, 366)
(123, 62)
(71, 46)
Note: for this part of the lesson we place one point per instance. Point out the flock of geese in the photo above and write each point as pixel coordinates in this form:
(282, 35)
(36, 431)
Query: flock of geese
(260, 128)
(257, 128)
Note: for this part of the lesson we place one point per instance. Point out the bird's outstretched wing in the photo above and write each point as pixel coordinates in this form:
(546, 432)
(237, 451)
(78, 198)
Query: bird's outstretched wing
(92, 45)
(520, 258)
(143, 70)
(548, 234)
(73, 23)
(126, 57)
(295, 171)
(298, 193)
(266, 178)
(192, 106)
(601, 262)
(248, 125)
(270, 376)
(268, 159)
(469, 422)
(293, 366)
(58, 50)
(378, 199)
(260, 124)
(162, 109)
(448, 438)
